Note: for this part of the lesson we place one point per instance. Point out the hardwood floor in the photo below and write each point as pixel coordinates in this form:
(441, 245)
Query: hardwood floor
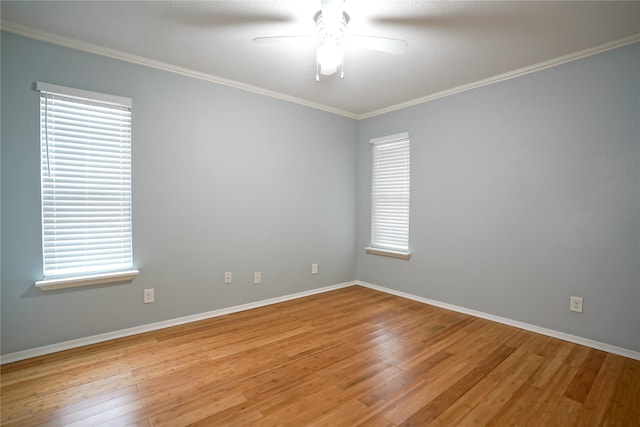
(349, 357)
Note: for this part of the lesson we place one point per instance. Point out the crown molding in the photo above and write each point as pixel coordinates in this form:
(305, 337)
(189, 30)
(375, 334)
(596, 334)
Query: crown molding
(509, 75)
(71, 43)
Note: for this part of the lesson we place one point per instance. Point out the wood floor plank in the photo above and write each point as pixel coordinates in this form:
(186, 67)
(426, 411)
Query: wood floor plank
(77, 393)
(310, 404)
(489, 395)
(107, 415)
(236, 416)
(516, 409)
(624, 409)
(197, 409)
(86, 409)
(414, 376)
(601, 392)
(342, 415)
(581, 385)
(349, 357)
(542, 407)
(551, 364)
(437, 406)
(412, 397)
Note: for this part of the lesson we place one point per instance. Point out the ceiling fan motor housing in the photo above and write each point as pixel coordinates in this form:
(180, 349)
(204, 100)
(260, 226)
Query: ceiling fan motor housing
(325, 31)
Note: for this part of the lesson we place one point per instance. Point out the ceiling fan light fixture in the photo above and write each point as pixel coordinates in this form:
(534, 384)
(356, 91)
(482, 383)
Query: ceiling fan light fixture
(331, 29)
(329, 56)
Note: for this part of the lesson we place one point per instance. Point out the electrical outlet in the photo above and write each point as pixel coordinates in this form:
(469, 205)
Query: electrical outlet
(257, 278)
(227, 277)
(149, 296)
(314, 268)
(575, 304)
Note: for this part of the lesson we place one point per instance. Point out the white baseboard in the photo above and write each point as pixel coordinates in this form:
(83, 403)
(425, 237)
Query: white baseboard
(526, 326)
(53, 348)
(66, 345)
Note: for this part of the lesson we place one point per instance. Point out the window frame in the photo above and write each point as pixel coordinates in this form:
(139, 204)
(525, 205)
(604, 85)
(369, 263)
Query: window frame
(81, 101)
(378, 244)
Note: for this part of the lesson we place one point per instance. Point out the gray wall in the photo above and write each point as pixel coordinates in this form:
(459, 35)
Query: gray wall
(223, 180)
(524, 193)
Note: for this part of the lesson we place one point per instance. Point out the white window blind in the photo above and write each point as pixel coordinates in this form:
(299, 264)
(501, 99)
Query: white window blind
(390, 193)
(85, 141)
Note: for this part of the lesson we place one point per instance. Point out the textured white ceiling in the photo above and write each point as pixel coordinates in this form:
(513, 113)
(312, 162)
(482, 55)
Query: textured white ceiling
(451, 44)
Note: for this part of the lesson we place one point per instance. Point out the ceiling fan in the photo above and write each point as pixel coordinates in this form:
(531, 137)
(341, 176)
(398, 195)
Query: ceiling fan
(331, 29)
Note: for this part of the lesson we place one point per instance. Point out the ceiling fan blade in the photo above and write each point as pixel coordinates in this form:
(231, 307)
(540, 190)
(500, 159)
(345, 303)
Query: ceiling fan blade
(382, 44)
(282, 39)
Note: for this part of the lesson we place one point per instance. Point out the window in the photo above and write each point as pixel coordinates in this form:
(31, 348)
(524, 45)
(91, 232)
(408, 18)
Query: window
(390, 196)
(85, 145)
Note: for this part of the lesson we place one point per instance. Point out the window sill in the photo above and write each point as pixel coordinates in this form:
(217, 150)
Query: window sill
(389, 253)
(94, 279)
